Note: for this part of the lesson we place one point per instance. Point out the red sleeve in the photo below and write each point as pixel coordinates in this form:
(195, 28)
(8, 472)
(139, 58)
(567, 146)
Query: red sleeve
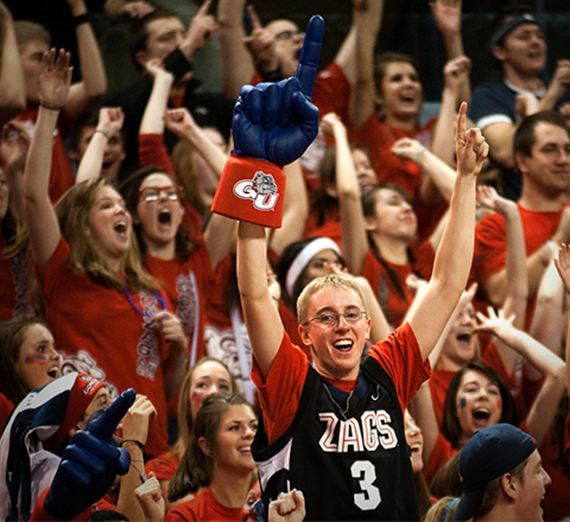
(41, 515)
(55, 270)
(400, 356)
(163, 467)
(180, 513)
(331, 92)
(490, 247)
(280, 394)
(152, 151)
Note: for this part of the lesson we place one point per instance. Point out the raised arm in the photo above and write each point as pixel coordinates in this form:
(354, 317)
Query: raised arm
(40, 217)
(353, 226)
(94, 81)
(360, 47)
(110, 123)
(273, 125)
(237, 63)
(12, 89)
(516, 289)
(455, 253)
(219, 233)
(563, 266)
(545, 405)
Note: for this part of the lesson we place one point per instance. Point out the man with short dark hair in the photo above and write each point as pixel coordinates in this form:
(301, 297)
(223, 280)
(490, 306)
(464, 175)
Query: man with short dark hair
(542, 154)
(518, 45)
(502, 476)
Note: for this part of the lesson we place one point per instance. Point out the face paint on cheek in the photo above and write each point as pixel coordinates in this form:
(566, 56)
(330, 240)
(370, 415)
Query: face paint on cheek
(36, 358)
(197, 396)
(462, 402)
(499, 404)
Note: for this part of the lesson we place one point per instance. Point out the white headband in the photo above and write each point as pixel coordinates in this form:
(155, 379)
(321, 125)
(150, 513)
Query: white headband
(303, 258)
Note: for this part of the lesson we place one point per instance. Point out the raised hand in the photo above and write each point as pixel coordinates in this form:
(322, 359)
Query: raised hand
(150, 498)
(179, 121)
(55, 79)
(261, 44)
(277, 122)
(494, 321)
(447, 16)
(456, 73)
(490, 198)
(90, 463)
(111, 120)
(408, 149)
(563, 265)
(331, 122)
(202, 27)
(470, 146)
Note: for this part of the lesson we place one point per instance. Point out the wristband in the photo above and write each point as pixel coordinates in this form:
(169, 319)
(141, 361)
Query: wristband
(102, 132)
(50, 106)
(131, 442)
(251, 189)
(80, 19)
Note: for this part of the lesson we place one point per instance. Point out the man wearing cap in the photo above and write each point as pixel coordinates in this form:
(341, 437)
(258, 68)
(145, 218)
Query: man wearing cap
(502, 476)
(518, 45)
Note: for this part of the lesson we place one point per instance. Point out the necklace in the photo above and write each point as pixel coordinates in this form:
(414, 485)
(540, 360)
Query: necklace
(144, 313)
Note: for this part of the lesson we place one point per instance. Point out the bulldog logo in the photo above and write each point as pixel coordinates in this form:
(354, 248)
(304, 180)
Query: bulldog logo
(262, 190)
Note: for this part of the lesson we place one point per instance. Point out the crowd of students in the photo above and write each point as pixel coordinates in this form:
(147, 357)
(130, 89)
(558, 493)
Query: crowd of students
(341, 319)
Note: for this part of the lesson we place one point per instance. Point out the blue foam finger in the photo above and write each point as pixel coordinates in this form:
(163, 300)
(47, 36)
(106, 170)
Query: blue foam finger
(310, 54)
(271, 106)
(104, 427)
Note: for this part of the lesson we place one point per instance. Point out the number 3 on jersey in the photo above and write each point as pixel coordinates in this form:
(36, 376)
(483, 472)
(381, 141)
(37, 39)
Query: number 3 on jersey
(364, 471)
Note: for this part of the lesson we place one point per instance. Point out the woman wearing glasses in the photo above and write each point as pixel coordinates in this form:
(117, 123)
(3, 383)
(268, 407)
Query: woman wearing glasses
(108, 317)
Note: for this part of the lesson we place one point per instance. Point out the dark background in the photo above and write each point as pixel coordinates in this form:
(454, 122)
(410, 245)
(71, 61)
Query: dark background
(407, 27)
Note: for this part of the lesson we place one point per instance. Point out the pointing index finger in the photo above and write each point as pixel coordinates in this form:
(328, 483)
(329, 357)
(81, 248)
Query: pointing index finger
(204, 8)
(105, 426)
(307, 68)
(253, 18)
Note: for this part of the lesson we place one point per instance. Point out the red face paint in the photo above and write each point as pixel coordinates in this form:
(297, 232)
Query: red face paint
(36, 358)
(197, 396)
(499, 404)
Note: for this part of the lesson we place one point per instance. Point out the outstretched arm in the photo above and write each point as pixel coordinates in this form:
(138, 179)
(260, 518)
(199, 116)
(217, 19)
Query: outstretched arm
(40, 217)
(94, 82)
(12, 90)
(453, 258)
(273, 125)
(545, 405)
(110, 123)
(359, 48)
(563, 266)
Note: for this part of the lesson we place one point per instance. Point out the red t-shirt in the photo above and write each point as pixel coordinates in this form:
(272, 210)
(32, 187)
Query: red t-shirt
(61, 177)
(378, 138)
(441, 453)
(164, 466)
(280, 393)
(204, 508)
(99, 332)
(491, 243)
(393, 304)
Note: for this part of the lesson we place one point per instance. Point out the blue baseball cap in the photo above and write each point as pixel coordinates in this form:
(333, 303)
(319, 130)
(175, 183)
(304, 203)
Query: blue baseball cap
(490, 453)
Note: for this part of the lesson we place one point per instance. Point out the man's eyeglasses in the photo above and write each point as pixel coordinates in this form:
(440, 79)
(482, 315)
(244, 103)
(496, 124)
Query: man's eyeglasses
(287, 35)
(153, 193)
(331, 318)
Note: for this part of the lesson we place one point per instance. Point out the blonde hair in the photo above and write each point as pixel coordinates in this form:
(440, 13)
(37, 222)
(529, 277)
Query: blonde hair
(326, 281)
(442, 511)
(73, 215)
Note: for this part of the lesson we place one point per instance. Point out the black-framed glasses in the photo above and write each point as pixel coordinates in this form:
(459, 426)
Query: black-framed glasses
(153, 193)
(330, 318)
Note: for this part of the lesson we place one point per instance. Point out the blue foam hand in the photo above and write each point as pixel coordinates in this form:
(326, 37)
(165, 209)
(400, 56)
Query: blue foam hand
(90, 463)
(277, 121)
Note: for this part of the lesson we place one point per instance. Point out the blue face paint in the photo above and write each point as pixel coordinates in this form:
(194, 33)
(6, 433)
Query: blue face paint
(462, 402)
